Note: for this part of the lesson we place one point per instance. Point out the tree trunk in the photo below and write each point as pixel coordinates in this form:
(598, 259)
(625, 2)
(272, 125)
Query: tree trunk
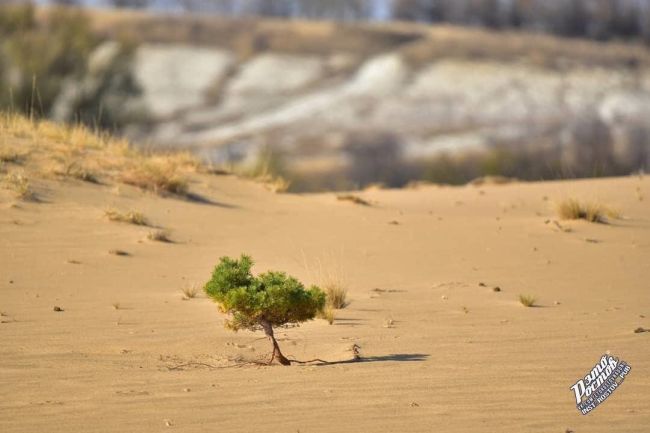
(268, 330)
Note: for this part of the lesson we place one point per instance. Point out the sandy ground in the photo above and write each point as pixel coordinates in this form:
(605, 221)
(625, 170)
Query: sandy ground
(441, 352)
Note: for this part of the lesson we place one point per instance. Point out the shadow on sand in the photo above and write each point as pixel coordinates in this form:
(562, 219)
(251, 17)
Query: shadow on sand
(198, 198)
(397, 357)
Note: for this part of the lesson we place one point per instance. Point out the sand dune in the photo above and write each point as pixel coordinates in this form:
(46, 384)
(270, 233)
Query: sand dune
(441, 350)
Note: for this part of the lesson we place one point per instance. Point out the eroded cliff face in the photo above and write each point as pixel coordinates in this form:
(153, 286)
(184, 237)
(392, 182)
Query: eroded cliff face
(309, 106)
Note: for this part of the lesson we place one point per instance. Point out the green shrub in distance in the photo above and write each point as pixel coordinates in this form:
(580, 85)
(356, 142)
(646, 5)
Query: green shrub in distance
(271, 299)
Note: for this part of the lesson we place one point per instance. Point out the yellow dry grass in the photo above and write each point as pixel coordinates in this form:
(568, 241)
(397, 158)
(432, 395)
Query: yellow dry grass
(527, 300)
(77, 152)
(353, 199)
(190, 291)
(336, 295)
(159, 236)
(9, 155)
(573, 209)
(327, 314)
(131, 217)
(75, 170)
(19, 185)
(158, 175)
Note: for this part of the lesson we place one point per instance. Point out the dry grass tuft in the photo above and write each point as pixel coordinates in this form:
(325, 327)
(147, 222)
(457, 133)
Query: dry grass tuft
(19, 185)
(277, 184)
(185, 160)
(273, 182)
(573, 209)
(329, 275)
(75, 170)
(161, 176)
(130, 217)
(190, 292)
(9, 156)
(336, 295)
(327, 314)
(268, 170)
(353, 198)
(527, 300)
(80, 153)
(121, 253)
(159, 236)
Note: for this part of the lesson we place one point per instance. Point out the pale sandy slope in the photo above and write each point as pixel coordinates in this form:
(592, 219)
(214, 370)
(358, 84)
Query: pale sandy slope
(476, 361)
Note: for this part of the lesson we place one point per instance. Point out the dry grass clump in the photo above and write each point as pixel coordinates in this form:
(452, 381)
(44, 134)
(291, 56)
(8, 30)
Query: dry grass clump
(276, 184)
(331, 280)
(183, 159)
(120, 253)
(130, 217)
(19, 185)
(527, 300)
(273, 182)
(190, 292)
(75, 170)
(336, 295)
(159, 236)
(158, 175)
(328, 314)
(269, 169)
(353, 199)
(9, 156)
(80, 153)
(573, 209)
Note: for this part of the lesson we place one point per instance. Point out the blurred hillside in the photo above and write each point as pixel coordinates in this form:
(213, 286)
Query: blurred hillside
(334, 105)
(600, 19)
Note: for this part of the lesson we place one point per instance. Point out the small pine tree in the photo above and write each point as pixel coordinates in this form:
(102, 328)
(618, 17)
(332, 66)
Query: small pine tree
(269, 300)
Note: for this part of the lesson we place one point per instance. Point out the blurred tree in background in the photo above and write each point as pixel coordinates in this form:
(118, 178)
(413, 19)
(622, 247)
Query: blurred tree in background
(58, 67)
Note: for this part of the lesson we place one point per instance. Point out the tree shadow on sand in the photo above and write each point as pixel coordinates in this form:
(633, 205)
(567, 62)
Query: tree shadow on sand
(396, 357)
(262, 361)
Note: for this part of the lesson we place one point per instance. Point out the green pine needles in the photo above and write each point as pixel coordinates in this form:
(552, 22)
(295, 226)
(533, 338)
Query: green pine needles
(269, 300)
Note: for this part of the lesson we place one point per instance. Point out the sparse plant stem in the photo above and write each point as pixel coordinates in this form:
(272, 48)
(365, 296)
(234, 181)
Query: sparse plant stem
(268, 330)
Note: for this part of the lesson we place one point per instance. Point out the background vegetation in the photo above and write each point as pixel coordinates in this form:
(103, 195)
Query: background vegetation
(56, 66)
(75, 66)
(599, 19)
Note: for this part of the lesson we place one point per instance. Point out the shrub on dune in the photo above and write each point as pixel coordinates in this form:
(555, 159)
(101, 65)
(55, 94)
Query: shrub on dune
(263, 302)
